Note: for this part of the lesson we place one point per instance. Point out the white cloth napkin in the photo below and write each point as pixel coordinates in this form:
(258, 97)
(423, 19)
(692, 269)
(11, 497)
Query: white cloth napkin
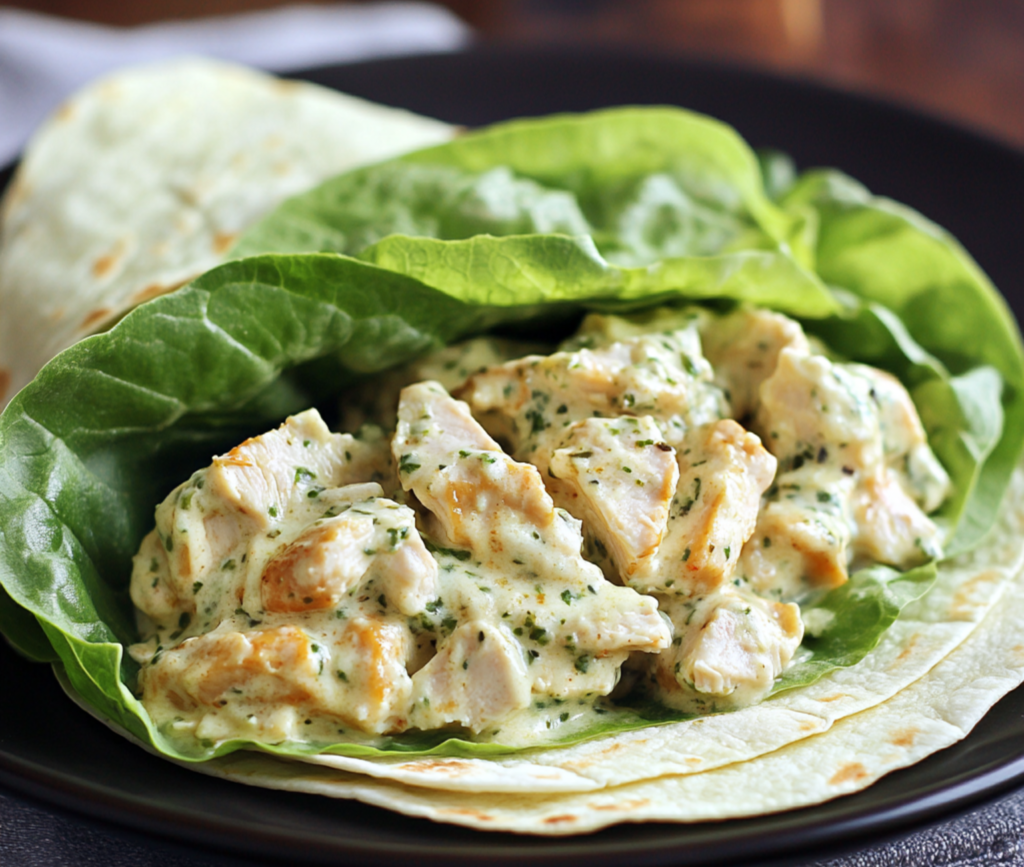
(44, 59)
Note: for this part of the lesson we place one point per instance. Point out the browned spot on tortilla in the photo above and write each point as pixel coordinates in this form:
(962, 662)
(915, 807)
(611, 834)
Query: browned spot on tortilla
(904, 737)
(849, 773)
(151, 291)
(223, 240)
(465, 811)
(154, 290)
(909, 649)
(56, 314)
(622, 806)
(444, 767)
(555, 820)
(808, 726)
(5, 382)
(835, 697)
(284, 86)
(962, 602)
(106, 263)
(65, 111)
(95, 318)
(693, 760)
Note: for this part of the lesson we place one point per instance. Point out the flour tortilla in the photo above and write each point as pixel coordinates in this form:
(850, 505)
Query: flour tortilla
(933, 712)
(143, 180)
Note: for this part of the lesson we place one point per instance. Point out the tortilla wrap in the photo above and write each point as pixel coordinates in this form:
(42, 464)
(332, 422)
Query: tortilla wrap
(144, 179)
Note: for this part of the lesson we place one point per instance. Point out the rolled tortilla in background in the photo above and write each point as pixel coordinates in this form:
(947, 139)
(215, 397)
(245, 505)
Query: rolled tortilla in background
(143, 180)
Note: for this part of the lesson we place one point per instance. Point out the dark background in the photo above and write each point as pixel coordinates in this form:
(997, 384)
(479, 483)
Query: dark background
(962, 59)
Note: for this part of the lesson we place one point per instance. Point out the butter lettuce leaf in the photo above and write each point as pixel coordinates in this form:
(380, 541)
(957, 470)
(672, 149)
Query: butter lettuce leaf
(645, 183)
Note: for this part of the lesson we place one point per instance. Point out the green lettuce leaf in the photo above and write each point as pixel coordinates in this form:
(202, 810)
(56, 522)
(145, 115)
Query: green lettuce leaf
(646, 184)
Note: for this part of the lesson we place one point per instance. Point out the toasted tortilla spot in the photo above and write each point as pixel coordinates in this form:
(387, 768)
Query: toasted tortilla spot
(808, 726)
(153, 290)
(100, 314)
(223, 240)
(963, 602)
(835, 697)
(466, 811)
(444, 767)
(65, 111)
(622, 806)
(56, 314)
(5, 382)
(555, 820)
(848, 773)
(909, 649)
(108, 262)
(904, 737)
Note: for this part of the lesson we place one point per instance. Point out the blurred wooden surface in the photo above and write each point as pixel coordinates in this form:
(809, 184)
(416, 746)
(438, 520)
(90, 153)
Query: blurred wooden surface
(963, 59)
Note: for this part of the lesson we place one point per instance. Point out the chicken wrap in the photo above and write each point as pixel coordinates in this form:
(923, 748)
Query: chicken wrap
(734, 491)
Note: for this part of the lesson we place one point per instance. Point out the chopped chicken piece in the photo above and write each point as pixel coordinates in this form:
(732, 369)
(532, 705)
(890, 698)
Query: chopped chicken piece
(724, 471)
(370, 672)
(267, 666)
(618, 477)
(809, 403)
(334, 555)
(733, 648)
(904, 442)
(481, 498)
(478, 677)
(891, 528)
(152, 589)
(238, 676)
(743, 347)
(802, 540)
(261, 477)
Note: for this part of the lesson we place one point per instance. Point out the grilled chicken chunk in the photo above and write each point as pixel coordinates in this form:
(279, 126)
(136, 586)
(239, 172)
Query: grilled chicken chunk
(733, 646)
(618, 477)
(743, 348)
(723, 472)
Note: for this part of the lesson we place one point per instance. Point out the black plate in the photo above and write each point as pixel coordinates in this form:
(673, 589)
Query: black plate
(52, 751)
